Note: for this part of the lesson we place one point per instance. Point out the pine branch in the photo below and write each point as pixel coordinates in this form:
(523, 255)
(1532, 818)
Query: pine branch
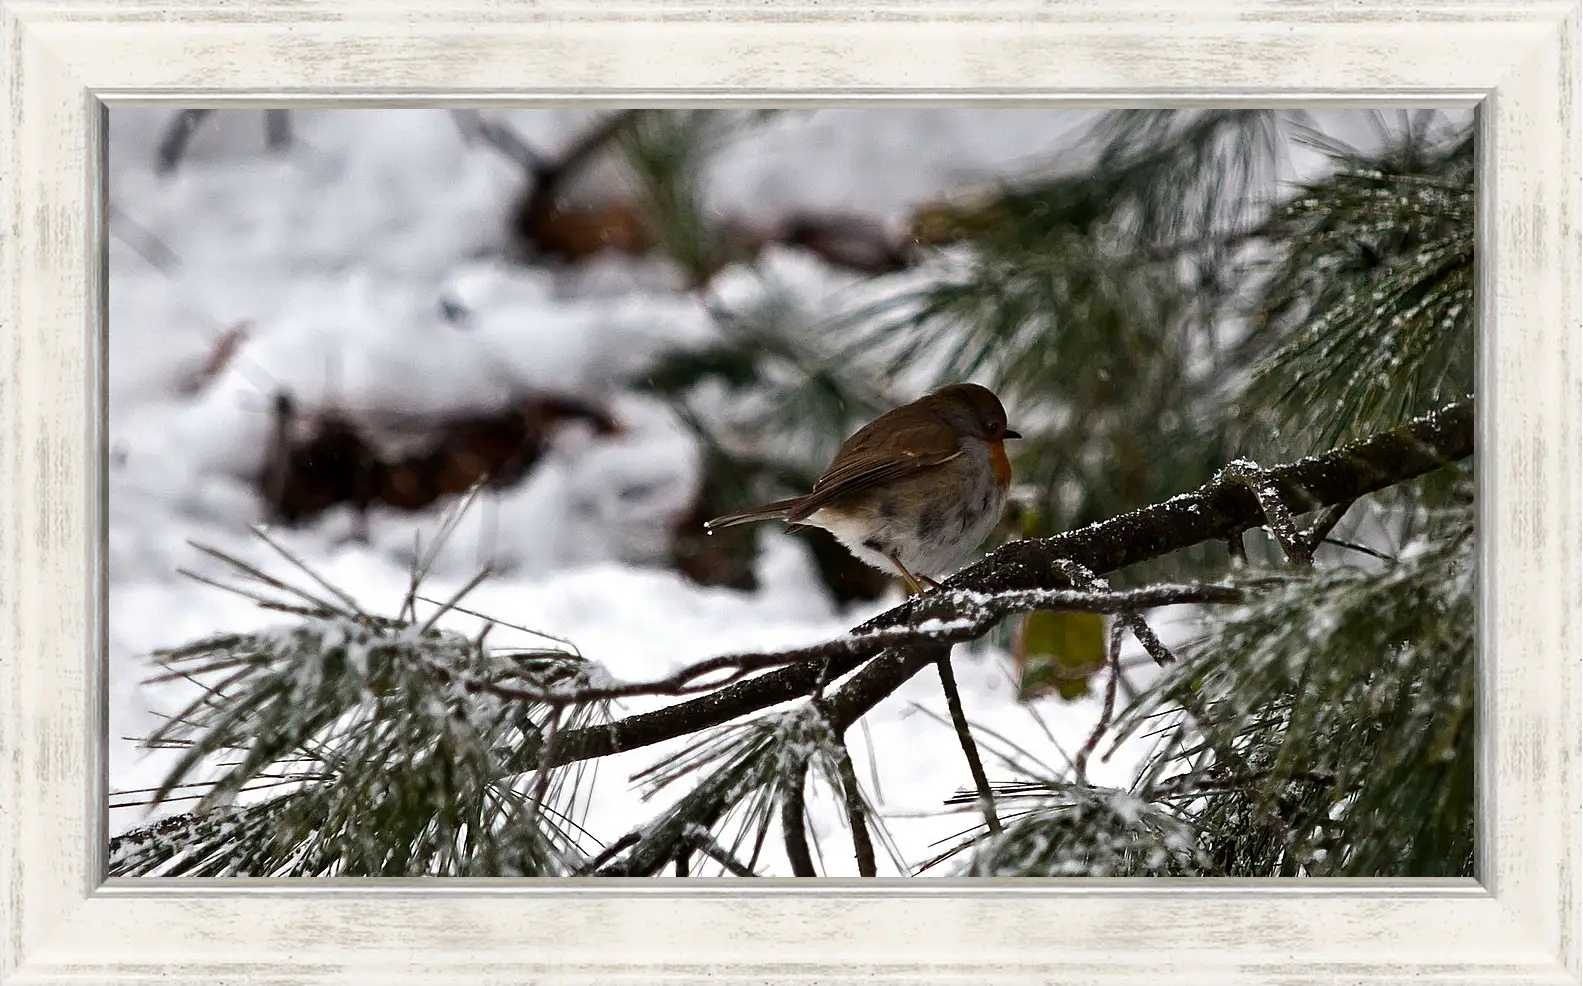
(1063, 829)
(1215, 512)
(1342, 749)
(741, 779)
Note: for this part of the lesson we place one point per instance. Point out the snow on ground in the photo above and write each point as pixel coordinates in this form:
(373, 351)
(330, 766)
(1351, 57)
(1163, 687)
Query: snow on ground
(343, 254)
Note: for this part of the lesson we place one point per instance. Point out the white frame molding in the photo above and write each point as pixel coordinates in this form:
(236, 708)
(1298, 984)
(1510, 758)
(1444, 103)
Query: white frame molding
(63, 60)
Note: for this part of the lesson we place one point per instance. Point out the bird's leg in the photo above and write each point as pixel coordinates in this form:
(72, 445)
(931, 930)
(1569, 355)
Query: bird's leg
(912, 582)
(926, 579)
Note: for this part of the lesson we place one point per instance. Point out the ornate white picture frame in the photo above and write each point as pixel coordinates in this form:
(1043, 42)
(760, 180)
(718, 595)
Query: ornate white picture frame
(64, 60)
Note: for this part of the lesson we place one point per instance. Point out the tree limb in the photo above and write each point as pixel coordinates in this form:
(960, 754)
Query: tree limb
(1277, 515)
(975, 615)
(1214, 512)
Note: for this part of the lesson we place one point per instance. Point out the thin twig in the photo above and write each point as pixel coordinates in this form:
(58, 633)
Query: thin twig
(1360, 548)
(1044, 727)
(699, 838)
(258, 575)
(1326, 522)
(794, 820)
(409, 605)
(456, 597)
(1134, 620)
(1148, 638)
(344, 597)
(975, 766)
(1128, 690)
(541, 778)
(608, 853)
(501, 136)
(1011, 760)
(856, 816)
(571, 648)
(1080, 764)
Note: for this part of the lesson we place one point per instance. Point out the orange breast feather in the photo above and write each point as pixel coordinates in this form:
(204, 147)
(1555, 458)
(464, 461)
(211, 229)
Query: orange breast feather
(999, 463)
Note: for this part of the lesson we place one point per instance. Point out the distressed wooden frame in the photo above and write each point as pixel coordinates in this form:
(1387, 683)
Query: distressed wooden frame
(64, 59)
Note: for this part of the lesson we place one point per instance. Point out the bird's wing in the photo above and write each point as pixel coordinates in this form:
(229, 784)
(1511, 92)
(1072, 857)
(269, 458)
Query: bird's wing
(861, 466)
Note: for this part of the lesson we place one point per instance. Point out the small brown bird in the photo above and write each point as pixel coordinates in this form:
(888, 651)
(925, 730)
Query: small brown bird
(916, 489)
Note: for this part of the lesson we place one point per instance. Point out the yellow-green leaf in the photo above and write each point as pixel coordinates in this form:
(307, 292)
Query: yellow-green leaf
(1057, 653)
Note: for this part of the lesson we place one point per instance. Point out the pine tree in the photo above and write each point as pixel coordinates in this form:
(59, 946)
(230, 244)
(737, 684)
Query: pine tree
(1172, 316)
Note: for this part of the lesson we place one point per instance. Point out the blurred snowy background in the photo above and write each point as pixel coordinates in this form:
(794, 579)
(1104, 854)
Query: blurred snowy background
(367, 270)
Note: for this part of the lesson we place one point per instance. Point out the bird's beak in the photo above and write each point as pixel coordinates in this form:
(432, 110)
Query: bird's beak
(1011, 434)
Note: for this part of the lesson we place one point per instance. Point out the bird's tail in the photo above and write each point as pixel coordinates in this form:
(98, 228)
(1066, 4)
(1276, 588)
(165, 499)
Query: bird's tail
(770, 511)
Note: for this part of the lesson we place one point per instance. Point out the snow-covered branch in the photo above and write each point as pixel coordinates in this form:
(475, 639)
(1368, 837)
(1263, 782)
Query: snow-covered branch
(1019, 572)
(974, 614)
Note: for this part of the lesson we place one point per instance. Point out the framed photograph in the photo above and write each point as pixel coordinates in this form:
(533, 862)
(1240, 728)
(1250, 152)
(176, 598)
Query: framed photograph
(509, 492)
